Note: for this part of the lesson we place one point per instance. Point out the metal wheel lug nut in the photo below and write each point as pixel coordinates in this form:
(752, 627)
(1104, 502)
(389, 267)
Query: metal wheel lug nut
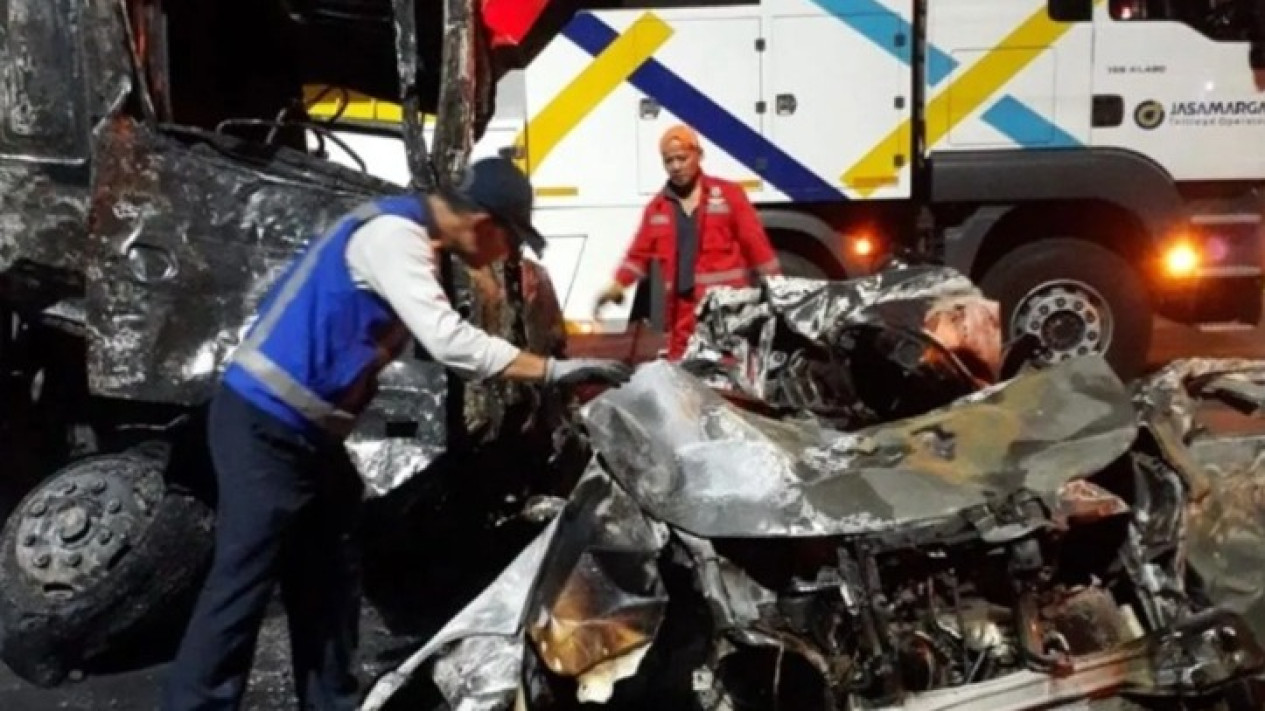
(39, 508)
(105, 537)
(114, 506)
(98, 486)
(74, 559)
(41, 560)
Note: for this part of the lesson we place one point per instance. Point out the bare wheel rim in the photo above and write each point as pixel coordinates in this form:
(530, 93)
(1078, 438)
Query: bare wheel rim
(1070, 317)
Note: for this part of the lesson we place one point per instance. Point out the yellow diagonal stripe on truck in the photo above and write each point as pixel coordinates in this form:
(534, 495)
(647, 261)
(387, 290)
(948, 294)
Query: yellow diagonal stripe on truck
(972, 88)
(324, 104)
(589, 89)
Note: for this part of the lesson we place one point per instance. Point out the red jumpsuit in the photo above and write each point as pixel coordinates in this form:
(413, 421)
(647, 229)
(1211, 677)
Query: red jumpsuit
(731, 244)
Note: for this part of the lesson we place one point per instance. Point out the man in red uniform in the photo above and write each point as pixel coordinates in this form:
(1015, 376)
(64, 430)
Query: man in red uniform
(704, 232)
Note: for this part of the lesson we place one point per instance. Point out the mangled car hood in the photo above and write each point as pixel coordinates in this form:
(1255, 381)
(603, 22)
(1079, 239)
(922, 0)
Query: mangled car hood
(1226, 521)
(699, 463)
(761, 328)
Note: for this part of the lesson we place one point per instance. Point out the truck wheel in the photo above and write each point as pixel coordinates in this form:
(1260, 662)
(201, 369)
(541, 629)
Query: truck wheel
(96, 557)
(1078, 298)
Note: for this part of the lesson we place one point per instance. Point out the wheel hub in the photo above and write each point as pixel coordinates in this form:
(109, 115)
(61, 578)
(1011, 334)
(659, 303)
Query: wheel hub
(1071, 319)
(80, 523)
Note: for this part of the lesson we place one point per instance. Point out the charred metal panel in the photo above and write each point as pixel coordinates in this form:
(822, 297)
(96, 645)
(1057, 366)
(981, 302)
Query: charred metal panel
(42, 214)
(420, 168)
(465, 95)
(589, 580)
(44, 91)
(1225, 533)
(481, 649)
(783, 342)
(600, 595)
(699, 463)
(185, 241)
(47, 109)
(47, 112)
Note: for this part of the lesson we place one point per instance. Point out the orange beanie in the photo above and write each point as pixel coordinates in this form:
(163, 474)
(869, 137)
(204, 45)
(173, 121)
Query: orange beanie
(682, 133)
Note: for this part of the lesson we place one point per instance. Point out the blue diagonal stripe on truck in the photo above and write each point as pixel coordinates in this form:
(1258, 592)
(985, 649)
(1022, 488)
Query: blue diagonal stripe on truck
(1009, 116)
(693, 107)
(1025, 126)
(880, 25)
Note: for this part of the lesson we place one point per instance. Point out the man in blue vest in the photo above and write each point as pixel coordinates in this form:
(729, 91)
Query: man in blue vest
(288, 494)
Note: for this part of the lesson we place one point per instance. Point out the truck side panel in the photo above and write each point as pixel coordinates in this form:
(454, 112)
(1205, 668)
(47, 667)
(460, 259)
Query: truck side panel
(1005, 76)
(839, 95)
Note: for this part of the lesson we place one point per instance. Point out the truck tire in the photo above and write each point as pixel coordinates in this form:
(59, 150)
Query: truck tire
(1078, 297)
(100, 556)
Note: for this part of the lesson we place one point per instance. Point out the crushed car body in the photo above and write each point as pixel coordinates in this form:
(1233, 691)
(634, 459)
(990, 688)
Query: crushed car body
(755, 529)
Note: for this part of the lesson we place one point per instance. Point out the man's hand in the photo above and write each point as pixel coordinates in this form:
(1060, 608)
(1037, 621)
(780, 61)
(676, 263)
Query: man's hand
(586, 370)
(613, 294)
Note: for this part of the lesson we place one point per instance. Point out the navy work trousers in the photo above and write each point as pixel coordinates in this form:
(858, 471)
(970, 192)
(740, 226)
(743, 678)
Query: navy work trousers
(287, 511)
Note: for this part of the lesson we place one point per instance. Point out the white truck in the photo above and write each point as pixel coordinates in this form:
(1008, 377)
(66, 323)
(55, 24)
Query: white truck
(1090, 162)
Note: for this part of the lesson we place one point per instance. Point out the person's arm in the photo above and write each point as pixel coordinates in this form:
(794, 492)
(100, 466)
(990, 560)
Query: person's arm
(635, 266)
(527, 367)
(752, 238)
(636, 262)
(393, 257)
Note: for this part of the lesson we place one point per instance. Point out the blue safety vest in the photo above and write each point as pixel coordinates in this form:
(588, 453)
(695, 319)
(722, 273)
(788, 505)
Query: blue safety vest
(312, 356)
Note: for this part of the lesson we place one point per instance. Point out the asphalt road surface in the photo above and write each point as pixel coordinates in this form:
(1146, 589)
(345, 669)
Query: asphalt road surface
(270, 685)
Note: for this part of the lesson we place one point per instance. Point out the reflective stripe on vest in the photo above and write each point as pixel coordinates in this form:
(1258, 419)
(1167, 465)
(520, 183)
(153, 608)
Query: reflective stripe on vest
(712, 278)
(636, 270)
(248, 356)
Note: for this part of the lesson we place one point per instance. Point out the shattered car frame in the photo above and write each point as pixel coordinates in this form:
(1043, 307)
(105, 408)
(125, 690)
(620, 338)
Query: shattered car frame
(152, 186)
(1039, 541)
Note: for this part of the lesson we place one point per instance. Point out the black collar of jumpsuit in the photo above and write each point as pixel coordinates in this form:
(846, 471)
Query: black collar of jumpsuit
(687, 238)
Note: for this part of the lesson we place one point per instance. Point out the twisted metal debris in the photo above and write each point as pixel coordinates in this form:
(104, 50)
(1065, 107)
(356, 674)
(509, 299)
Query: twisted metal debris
(679, 460)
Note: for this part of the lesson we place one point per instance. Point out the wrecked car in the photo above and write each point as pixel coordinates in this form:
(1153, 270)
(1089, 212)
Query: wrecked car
(826, 507)
(153, 183)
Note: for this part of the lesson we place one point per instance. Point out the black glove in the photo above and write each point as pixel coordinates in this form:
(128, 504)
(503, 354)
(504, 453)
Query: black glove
(578, 370)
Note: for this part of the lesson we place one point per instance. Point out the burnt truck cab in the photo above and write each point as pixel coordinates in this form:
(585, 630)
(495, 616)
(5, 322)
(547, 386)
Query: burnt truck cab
(153, 183)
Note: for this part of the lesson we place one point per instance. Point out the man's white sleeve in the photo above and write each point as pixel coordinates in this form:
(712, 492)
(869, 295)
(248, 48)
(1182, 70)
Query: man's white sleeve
(393, 257)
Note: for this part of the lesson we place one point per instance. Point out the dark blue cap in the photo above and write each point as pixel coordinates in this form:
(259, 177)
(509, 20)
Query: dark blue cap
(496, 186)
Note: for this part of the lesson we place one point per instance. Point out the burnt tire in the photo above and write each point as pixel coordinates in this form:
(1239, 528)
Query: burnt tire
(1069, 292)
(101, 555)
